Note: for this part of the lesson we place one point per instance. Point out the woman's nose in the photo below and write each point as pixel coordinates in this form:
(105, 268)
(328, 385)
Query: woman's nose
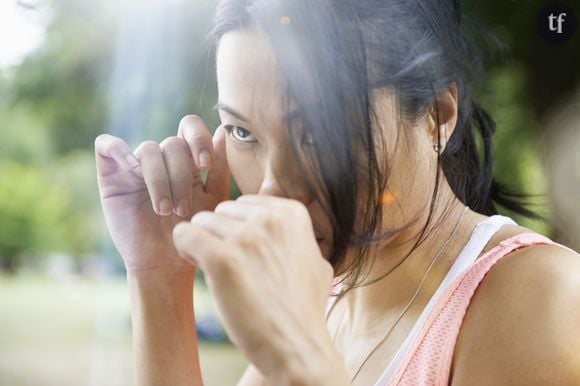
(285, 182)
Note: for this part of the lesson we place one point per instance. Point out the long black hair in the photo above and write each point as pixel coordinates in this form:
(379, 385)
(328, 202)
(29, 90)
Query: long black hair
(333, 55)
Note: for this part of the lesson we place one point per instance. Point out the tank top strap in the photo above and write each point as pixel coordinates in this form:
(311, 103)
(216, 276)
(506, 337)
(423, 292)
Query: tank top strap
(481, 235)
(428, 360)
(478, 239)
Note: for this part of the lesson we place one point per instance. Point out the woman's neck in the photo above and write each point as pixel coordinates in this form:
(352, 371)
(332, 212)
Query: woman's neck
(368, 306)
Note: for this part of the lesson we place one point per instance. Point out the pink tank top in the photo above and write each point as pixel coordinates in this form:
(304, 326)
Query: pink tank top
(425, 356)
(428, 352)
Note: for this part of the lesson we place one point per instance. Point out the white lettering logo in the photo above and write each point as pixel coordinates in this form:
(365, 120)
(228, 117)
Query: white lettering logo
(559, 20)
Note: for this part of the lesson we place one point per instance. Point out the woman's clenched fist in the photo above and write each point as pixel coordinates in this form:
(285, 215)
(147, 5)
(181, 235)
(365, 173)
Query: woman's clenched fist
(266, 274)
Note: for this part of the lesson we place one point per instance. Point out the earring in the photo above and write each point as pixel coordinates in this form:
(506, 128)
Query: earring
(437, 147)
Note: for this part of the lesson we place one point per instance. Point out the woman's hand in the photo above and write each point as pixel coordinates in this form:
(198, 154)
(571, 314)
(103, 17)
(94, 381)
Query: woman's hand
(270, 282)
(145, 193)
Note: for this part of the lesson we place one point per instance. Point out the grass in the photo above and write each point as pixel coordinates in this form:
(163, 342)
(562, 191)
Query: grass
(75, 331)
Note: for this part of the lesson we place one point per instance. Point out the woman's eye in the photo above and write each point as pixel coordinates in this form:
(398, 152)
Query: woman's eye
(240, 134)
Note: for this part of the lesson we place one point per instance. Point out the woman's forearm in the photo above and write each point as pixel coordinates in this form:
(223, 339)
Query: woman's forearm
(164, 336)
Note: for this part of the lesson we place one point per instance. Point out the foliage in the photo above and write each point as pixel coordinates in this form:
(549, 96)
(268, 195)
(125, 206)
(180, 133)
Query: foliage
(516, 155)
(36, 216)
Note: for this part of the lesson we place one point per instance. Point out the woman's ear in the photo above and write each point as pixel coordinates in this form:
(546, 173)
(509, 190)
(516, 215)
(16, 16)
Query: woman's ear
(443, 116)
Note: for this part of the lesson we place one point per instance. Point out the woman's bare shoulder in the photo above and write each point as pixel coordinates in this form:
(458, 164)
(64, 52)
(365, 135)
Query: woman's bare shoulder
(523, 321)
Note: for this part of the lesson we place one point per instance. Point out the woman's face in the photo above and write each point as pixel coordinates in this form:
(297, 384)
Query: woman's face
(259, 155)
(251, 110)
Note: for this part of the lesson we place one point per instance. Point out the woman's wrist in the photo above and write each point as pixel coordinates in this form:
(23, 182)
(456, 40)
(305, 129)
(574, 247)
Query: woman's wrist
(160, 273)
(160, 291)
(164, 277)
(165, 288)
(320, 365)
(163, 327)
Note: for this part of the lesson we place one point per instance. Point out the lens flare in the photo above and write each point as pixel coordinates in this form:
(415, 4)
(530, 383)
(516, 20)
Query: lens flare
(387, 197)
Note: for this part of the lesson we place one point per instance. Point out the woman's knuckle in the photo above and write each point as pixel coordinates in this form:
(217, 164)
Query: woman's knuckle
(172, 143)
(201, 217)
(188, 120)
(248, 240)
(179, 230)
(149, 147)
(191, 126)
(222, 206)
(270, 222)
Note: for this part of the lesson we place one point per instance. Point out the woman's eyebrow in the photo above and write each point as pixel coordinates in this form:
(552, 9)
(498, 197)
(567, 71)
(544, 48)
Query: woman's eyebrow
(222, 106)
(290, 116)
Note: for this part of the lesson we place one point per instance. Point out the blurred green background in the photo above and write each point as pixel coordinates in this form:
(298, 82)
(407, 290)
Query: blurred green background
(72, 69)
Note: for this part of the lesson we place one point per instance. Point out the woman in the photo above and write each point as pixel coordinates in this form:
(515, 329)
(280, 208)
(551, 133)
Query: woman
(351, 130)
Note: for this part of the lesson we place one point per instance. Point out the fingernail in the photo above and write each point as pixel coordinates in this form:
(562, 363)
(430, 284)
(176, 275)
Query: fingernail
(165, 207)
(182, 209)
(131, 160)
(204, 159)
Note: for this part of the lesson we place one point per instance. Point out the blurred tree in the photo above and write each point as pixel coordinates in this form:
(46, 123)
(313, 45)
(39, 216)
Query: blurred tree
(132, 68)
(31, 213)
(62, 82)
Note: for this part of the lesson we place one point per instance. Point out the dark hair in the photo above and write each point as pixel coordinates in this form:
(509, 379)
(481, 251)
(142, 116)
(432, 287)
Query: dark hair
(333, 54)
